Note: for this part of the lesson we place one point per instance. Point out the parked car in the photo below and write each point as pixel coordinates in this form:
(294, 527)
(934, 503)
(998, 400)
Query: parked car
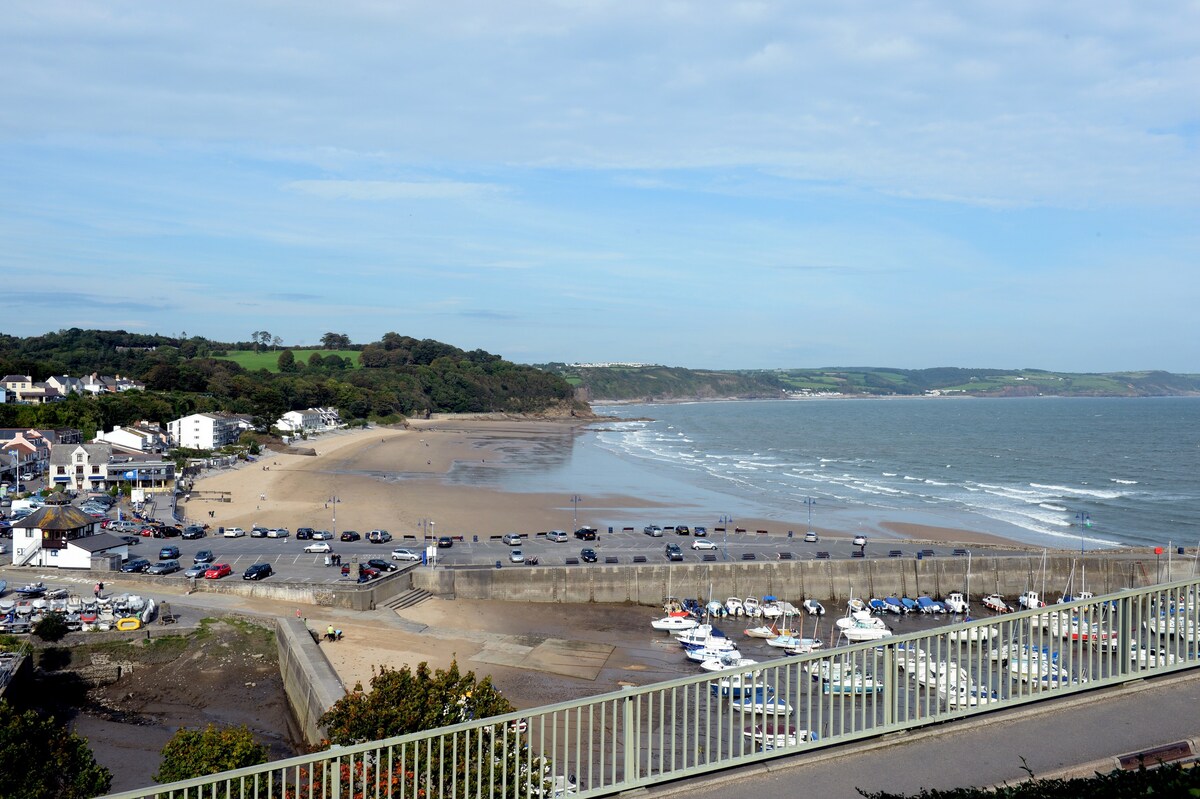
(382, 565)
(135, 565)
(512, 539)
(131, 539)
(304, 533)
(703, 543)
(379, 536)
(322, 535)
(810, 537)
(278, 532)
(682, 529)
(168, 553)
(258, 532)
(351, 535)
(234, 532)
(317, 547)
(367, 573)
(586, 533)
(217, 571)
(400, 553)
(588, 555)
(196, 570)
(166, 531)
(445, 542)
(164, 567)
(204, 556)
(193, 531)
(674, 552)
(860, 540)
(258, 571)
(516, 556)
(700, 532)
(558, 536)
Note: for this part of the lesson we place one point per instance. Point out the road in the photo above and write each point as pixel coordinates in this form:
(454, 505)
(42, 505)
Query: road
(1069, 737)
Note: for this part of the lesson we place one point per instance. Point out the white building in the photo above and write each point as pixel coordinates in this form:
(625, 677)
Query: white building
(80, 467)
(296, 421)
(204, 431)
(138, 438)
(61, 536)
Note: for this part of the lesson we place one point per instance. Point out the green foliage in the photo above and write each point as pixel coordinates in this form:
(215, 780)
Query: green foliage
(252, 361)
(43, 759)
(198, 753)
(1169, 780)
(52, 627)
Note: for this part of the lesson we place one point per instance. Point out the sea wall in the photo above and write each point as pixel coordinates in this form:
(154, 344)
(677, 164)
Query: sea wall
(309, 680)
(834, 580)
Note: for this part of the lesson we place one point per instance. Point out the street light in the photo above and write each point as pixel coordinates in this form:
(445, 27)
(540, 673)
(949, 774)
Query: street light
(1085, 521)
(809, 501)
(725, 521)
(575, 500)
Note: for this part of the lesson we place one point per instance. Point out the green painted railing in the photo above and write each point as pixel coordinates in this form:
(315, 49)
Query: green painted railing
(692, 725)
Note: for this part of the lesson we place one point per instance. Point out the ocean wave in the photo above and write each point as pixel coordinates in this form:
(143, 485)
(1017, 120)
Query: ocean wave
(1085, 492)
(1123, 482)
(889, 474)
(935, 483)
(1048, 506)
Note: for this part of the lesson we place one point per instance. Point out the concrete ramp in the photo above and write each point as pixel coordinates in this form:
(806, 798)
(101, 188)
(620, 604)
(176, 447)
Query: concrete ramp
(581, 659)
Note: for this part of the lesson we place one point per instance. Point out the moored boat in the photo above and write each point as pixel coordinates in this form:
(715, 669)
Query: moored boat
(674, 623)
(813, 608)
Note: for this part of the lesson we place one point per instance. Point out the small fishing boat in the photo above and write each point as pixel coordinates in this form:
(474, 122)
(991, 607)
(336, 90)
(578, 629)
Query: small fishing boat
(877, 606)
(909, 604)
(929, 605)
(1149, 657)
(813, 608)
(751, 606)
(1030, 599)
(700, 634)
(956, 602)
(715, 608)
(788, 641)
(862, 626)
(957, 689)
(770, 735)
(737, 685)
(762, 700)
(762, 631)
(729, 660)
(699, 654)
(854, 604)
(843, 678)
(733, 606)
(805, 646)
(996, 604)
(973, 635)
(893, 604)
(674, 623)
(32, 589)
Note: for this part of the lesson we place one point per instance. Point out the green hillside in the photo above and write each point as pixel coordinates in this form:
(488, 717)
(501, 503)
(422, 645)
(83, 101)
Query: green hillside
(251, 360)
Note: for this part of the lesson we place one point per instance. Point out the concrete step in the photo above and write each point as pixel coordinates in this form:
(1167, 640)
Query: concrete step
(408, 599)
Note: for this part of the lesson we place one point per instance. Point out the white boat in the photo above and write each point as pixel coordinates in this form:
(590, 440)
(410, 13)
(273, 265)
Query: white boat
(776, 736)
(702, 653)
(854, 604)
(957, 689)
(1149, 657)
(700, 634)
(805, 646)
(973, 635)
(1035, 666)
(789, 641)
(762, 701)
(862, 626)
(844, 678)
(1174, 624)
(751, 606)
(715, 608)
(729, 660)
(955, 602)
(674, 623)
(1030, 599)
(813, 608)
(762, 631)
(996, 603)
(733, 606)
(734, 684)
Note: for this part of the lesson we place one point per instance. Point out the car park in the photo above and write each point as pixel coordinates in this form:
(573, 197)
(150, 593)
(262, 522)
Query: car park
(135, 565)
(445, 542)
(400, 553)
(558, 536)
(860, 540)
(196, 570)
(168, 553)
(322, 535)
(588, 555)
(382, 565)
(204, 556)
(516, 556)
(304, 533)
(586, 533)
(512, 539)
(379, 536)
(317, 547)
(703, 543)
(810, 537)
(674, 552)
(278, 532)
(193, 531)
(217, 571)
(351, 535)
(234, 532)
(258, 571)
(164, 567)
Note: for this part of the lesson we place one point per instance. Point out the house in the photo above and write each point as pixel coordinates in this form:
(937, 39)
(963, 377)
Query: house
(22, 389)
(25, 452)
(140, 437)
(103, 384)
(3, 395)
(65, 385)
(204, 431)
(149, 474)
(80, 467)
(298, 421)
(61, 535)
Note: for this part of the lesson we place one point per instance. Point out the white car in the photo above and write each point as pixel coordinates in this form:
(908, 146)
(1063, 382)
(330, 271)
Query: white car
(319, 547)
(810, 537)
(278, 532)
(404, 554)
(512, 539)
(516, 556)
(557, 535)
(703, 543)
(234, 532)
(322, 535)
(860, 540)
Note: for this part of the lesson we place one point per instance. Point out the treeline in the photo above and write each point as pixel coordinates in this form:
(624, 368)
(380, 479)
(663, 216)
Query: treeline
(402, 376)
(620, 383)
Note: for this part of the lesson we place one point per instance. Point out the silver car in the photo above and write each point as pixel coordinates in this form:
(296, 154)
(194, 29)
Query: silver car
(164, 567)
(404, 554)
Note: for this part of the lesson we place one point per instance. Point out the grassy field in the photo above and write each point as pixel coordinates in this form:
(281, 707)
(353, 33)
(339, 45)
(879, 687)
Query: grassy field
(269, 359)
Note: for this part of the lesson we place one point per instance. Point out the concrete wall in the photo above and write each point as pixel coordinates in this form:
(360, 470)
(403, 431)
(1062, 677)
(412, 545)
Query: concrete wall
(834, 580)
(311, 684)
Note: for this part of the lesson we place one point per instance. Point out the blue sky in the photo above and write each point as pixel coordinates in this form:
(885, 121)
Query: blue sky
(699, 184)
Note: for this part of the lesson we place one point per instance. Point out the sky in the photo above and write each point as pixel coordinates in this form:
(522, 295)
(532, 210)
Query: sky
(704, 184)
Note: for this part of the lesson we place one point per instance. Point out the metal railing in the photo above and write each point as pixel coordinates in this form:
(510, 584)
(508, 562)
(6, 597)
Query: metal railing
(684, 727)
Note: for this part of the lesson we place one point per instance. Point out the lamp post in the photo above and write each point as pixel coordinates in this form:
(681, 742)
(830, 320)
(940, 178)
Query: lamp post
(575, 500)
(1085, 521)
(725, 521)
(809, 501)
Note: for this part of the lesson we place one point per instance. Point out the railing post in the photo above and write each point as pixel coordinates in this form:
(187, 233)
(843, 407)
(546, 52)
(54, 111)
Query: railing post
(889, 685)
(630, 738)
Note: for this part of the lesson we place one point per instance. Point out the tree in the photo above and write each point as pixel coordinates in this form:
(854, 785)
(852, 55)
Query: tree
(403, 701)
(52, 627)
(198, 753)
(287, 361)
(45, 760)
(333, 341)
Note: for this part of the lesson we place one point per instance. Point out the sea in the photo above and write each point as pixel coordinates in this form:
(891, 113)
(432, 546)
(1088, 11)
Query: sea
(1062, 473)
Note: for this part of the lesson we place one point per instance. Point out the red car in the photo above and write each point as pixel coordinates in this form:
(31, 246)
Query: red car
(217, 571)
(147, 532)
